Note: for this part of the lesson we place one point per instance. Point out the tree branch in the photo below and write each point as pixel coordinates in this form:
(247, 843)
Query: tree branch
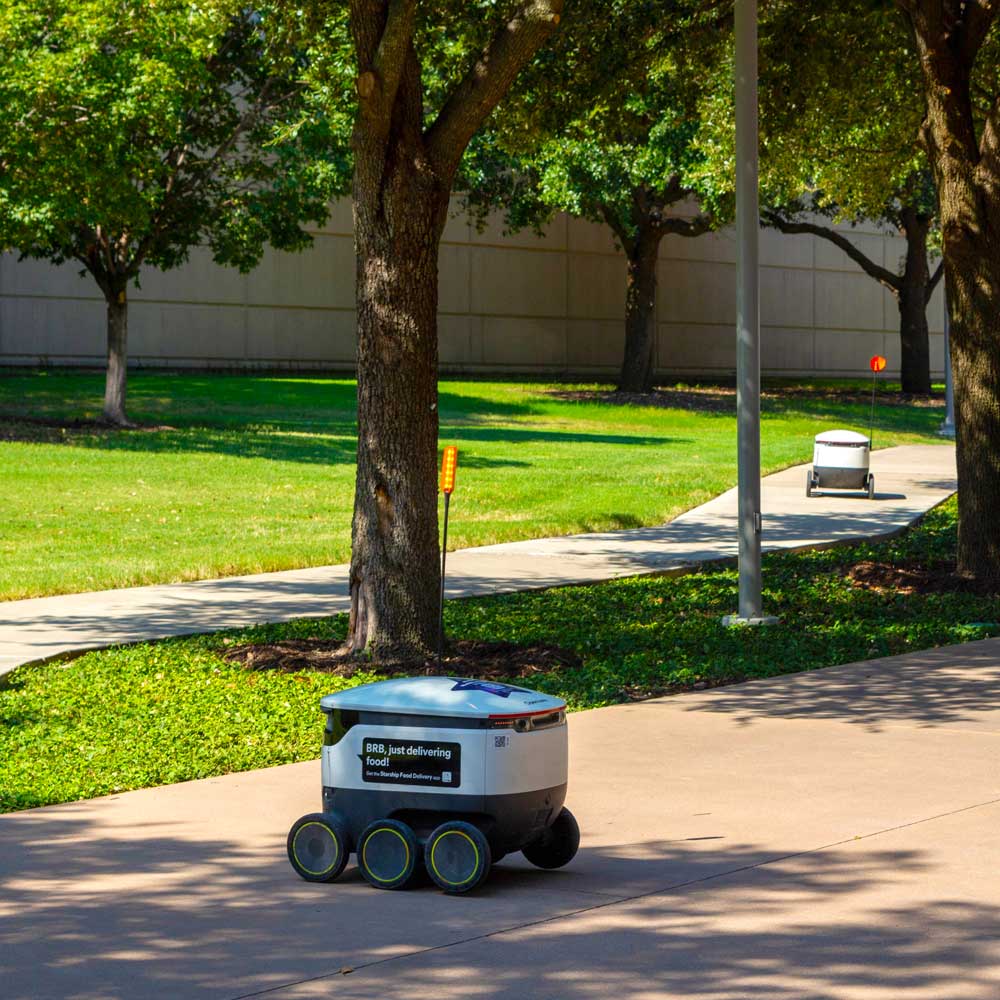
(483, 87)
(672, 192)
(933, 283)
(977, 19)
(989, 141)
(677, 226)
(617, 227)
(873, 270)
(383, 33)
(91, 260)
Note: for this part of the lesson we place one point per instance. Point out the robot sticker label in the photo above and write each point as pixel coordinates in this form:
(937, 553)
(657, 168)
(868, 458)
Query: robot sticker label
(490, 687)
(391, 761)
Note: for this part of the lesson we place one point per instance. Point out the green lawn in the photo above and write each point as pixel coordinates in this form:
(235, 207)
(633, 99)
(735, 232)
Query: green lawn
(255, 473)
(174, 710)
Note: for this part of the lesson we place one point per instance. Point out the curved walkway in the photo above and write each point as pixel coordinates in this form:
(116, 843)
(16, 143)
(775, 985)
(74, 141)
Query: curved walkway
(910, 480)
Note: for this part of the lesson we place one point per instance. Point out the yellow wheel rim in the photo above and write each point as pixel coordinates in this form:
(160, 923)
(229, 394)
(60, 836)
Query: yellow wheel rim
(454, 833)
(298, 858)
(364, 853)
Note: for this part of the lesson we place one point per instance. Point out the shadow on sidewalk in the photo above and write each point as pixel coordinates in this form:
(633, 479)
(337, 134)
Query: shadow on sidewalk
(144, 911)
(954, 684)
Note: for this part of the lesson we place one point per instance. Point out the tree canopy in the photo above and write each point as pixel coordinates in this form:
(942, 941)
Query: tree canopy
(131, 132)
(605, 126)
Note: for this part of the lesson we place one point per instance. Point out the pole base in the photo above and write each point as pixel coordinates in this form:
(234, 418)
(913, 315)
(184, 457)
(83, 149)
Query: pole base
(730, 621)
(947, 429)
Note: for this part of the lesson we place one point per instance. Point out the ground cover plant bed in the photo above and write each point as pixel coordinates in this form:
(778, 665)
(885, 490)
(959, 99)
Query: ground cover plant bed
(233, 474)
(460, 658)
(182, 708)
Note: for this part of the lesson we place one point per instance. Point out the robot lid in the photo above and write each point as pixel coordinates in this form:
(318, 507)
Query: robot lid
(846, 439)
(460, 697)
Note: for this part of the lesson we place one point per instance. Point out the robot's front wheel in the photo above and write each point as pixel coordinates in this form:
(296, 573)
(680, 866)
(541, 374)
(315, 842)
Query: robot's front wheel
(388, 854)
(870, 486)
(558, 845)
(457, 856)
(317, 847)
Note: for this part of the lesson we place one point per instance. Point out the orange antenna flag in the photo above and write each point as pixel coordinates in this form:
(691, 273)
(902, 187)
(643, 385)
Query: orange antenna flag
(877, 363)
(449, 463)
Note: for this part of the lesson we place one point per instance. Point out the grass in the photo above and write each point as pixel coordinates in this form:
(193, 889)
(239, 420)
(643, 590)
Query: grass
(175, 710)
(255, 473)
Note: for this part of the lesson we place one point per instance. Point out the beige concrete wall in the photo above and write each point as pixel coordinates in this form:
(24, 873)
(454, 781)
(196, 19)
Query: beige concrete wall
(515, 303)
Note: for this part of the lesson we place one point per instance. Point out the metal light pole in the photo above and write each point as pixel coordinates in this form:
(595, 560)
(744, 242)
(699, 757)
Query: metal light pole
(948, 427)
(747, 319)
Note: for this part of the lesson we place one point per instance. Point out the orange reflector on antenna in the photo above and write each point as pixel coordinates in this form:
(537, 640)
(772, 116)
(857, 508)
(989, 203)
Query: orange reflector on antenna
(877, 363)
(449, 463)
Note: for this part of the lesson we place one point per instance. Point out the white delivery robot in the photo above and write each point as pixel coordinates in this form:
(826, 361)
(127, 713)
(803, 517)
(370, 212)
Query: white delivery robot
(840, 462)
(442, 774)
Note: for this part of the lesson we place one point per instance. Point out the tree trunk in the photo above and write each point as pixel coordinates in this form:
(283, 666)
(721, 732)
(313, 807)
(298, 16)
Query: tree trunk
(398, 220)
(966, 166)
(973, 275)
(640, 314)
(403, 176)
(914, 337)
(117, 371)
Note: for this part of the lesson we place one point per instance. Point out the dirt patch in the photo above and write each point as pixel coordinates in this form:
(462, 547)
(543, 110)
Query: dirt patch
(43, 430)
(914, 579)
(706, 400)
(463, 658)
(722, 399)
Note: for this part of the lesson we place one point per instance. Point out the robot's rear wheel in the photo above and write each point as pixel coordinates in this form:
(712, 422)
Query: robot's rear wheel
(558, 845)
(457, 856)
(317, 847)
(388, 854)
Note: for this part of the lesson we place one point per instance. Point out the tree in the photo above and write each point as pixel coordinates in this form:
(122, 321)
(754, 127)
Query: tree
(131, 132)
(956, 50)
(830, 150)
(912, 212)
(605, 127)
(426, 79)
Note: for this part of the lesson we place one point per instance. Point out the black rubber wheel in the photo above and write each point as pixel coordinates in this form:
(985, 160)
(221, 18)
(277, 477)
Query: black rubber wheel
(809, 483)
(317, 848)
(388, 854)
(871, 487)
(457, 857)
(558, 845)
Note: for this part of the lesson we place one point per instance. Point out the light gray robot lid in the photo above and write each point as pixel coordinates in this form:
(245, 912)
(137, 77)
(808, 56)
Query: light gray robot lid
(461, 697)
(841, 437)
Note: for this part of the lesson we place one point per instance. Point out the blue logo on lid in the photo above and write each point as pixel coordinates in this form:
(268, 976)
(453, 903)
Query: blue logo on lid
(490, 687)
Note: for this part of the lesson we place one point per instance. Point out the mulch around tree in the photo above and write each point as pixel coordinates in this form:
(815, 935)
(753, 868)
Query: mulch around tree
(722, 399)
(462, 658)
(914, 579)
(43, 430)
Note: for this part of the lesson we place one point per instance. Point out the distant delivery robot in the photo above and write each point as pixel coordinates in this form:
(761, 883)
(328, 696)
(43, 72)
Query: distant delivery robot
(841, 458)
(438, 773)
(840, 462)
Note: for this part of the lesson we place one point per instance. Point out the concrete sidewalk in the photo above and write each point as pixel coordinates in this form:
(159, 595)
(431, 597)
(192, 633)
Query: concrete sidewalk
(822, 836)
(909, 479)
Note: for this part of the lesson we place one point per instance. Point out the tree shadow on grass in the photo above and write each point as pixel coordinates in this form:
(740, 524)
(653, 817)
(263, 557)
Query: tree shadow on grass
(895, 418)
(720, 401)
(340, 447)
(103, 900)
(293, 402)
